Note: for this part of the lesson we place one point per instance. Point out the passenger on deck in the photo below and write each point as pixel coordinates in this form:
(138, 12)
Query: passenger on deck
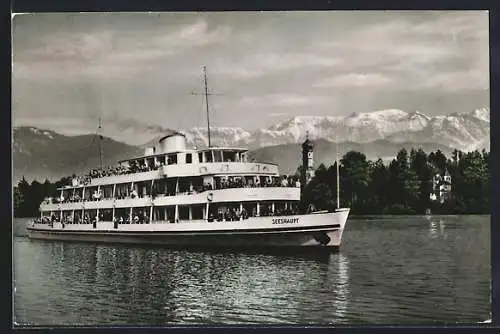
(244, 213)
(284, 182)
(257, 182)
(96, 195)
(220, 215)
(237, 214)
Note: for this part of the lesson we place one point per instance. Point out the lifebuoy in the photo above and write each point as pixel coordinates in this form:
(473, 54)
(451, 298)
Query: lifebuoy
(210, 197)
(203, 169)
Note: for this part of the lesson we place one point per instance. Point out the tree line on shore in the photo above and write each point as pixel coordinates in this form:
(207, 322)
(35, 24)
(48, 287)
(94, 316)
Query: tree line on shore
(405, 185)
(367, 187)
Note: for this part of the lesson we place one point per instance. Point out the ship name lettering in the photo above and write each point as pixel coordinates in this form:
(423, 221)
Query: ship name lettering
(285, 220)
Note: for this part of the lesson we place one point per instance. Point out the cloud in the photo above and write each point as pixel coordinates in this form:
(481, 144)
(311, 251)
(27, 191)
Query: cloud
(463, 24)
(414, 52)
(278, 114)
(269, 63)
(459, 80)
(283, 100)
(192, 35)
(264, 64)
(109, 54)
(65, 125)
(354, 80)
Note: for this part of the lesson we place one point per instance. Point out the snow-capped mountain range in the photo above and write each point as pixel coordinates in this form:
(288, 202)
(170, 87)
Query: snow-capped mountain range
(41, 154)
(464, 131)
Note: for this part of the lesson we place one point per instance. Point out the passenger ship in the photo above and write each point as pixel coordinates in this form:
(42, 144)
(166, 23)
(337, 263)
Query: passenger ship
(181, 197)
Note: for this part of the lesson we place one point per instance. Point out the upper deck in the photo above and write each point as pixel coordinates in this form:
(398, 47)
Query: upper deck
(169, 158)
(185, 170)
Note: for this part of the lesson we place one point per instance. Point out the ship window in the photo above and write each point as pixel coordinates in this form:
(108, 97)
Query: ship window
(217, 156)
(183, 212)
(229, 156)
(200, 157)
(189, 158)
(161, 159)
(172, 159)
(208, 156)
(197, 211)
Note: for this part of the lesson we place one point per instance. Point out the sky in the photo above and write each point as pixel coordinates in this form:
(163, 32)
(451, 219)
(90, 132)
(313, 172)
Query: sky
(141, 69)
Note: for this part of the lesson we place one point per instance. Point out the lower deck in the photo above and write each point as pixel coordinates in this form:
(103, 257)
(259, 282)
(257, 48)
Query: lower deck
(210, 211)
(296, 230)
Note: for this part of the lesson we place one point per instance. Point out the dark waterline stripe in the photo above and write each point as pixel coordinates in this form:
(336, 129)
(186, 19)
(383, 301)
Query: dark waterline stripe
(233, 231)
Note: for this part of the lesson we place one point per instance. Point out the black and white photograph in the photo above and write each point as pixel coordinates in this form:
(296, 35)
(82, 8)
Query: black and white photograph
(251, 168)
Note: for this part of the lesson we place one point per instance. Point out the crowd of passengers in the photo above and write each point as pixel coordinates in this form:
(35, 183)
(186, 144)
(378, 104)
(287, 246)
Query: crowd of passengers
(121, 169)
(223, 214)
(240, 182)
(226, 183)
(140, 218)
(134, 167)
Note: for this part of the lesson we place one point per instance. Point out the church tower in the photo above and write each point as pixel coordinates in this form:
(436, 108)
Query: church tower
(307, 161)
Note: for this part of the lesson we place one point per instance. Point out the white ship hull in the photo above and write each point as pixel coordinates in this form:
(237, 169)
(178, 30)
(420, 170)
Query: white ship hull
(315, 230)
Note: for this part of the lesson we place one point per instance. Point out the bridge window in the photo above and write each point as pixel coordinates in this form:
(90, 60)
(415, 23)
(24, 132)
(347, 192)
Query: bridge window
(161, 159)
(229, 156)
(208, 156)
(217, 156)
(189, 158)
(172, 159)
(200, 157)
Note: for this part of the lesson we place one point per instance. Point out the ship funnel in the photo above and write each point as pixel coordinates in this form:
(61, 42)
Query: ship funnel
(173, 143)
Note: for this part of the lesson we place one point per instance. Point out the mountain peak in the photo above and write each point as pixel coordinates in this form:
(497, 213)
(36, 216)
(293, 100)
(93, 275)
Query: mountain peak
(32, 130)
(418, 114)
(482, 114)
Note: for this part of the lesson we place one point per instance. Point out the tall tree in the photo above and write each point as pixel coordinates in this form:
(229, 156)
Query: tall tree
(438, 159)
(317, 191)
(377, 188)
(355, 177)
(420, 166)
(404, 183)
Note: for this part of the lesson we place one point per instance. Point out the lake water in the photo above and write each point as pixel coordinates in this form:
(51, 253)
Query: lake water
(390, 270)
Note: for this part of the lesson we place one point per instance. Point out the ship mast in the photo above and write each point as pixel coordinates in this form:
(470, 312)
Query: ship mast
(206, 102)
(338, 174)
(206, 93)
(99, 138)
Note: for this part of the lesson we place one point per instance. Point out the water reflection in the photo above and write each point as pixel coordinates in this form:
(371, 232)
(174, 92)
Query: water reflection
(158, 286)
(437, 227)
